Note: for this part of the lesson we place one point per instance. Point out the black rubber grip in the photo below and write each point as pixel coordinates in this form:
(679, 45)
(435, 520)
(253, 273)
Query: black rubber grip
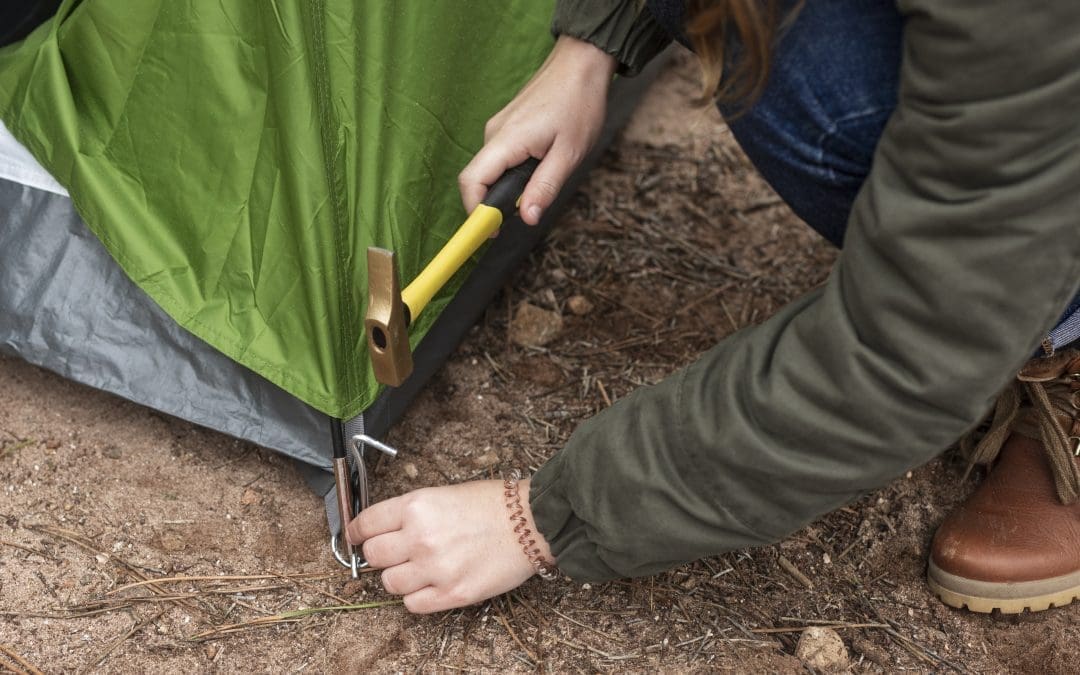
(506, 191)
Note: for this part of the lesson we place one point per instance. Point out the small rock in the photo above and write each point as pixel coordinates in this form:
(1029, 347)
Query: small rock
(549, 298)
(410, 470)
(822, 649)
(249, 497)
(579, 305)
(101, 558)
(211, 651)
(490, 458)
(533, 326)
(112, 452)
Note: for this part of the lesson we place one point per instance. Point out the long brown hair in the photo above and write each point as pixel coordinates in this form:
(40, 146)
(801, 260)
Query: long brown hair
(714, 26)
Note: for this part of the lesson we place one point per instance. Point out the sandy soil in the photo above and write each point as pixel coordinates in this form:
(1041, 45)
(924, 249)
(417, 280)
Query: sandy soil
(674, 243)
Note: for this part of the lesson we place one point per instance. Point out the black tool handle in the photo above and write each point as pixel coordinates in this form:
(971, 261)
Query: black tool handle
(506, 191)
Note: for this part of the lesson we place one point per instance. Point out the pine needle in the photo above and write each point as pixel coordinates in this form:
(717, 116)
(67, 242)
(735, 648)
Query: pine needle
(219, 577)
(20, 661)
(286, 617)
(15, 447)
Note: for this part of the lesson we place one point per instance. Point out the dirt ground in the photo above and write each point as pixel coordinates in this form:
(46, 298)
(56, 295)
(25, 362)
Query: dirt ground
(673, 244)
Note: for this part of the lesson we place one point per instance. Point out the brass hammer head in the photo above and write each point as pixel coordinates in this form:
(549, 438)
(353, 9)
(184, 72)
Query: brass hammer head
(387, 320)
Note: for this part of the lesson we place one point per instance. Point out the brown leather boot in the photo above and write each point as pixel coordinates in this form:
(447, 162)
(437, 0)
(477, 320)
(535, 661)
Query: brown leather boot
(1015, 543)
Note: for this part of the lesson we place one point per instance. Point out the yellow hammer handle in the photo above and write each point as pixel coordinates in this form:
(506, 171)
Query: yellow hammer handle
(483, 222)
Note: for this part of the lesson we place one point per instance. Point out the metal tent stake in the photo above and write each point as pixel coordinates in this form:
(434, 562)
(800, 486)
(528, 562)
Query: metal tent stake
(351, 502)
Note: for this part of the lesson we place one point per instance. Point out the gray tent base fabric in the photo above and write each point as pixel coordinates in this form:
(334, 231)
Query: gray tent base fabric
(66, 306)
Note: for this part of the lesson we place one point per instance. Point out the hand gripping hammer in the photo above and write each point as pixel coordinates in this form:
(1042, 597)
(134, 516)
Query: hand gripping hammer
(391, 311)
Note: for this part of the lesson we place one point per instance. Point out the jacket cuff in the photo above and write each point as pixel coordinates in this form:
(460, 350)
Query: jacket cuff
(575, 553)
(624, 29)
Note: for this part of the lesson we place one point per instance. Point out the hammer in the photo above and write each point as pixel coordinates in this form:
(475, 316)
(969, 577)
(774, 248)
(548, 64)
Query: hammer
(391, 311)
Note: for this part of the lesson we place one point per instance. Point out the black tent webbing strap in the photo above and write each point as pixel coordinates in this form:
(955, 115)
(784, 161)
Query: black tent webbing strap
(18, 18)
(350, 428)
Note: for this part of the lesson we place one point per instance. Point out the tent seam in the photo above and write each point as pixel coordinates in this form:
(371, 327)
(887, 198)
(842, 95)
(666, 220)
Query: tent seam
(320, 56)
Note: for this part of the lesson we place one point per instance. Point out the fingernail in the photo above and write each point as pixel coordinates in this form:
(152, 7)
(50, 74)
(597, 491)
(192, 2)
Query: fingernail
(534, 212)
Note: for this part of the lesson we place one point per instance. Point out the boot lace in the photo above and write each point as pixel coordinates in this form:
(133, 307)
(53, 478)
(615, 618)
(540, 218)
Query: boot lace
(1044, 398)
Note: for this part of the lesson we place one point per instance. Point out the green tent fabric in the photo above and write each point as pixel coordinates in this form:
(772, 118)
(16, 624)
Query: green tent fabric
(237, 158)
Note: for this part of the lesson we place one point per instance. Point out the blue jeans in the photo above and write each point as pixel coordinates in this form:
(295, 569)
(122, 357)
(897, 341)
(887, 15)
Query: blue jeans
(832, 87)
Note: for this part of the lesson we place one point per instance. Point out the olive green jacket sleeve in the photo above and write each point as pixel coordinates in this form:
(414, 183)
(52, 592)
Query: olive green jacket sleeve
(962, 249)
(623, 28)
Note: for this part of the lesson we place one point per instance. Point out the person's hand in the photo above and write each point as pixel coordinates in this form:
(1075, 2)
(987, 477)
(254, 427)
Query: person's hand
(555, 118)
(446, 547)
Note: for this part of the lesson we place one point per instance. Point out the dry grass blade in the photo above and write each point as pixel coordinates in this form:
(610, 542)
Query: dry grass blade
(7, 666)
(921, 652)
(286, 617)
(513, 635)
(603, 392)
(606, 636)
(615, 301)
(4, 542)
(914, 648)
(120, 640)
(705, 297)
(635, 341)
(112, 604)
(133, 570)
(222, 577)
(15, 447)
(830, 624)
(72, 613)
(21, 664)
(594, 650)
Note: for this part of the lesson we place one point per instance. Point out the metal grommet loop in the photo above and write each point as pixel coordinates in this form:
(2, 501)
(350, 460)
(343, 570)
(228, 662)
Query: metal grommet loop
(353, 562)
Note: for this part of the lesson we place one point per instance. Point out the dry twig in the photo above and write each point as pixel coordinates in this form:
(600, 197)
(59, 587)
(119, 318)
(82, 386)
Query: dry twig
(21, 665)
(4, 542)
(790, 568)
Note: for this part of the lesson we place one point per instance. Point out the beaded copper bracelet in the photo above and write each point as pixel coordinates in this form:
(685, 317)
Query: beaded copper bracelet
(544, 568)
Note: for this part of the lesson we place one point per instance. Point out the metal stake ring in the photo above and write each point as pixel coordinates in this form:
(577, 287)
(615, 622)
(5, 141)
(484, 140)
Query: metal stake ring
(361, 498)
(353, 562)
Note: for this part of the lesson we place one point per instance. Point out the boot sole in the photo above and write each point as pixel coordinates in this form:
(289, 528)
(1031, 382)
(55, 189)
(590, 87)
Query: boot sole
(1008, 598)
